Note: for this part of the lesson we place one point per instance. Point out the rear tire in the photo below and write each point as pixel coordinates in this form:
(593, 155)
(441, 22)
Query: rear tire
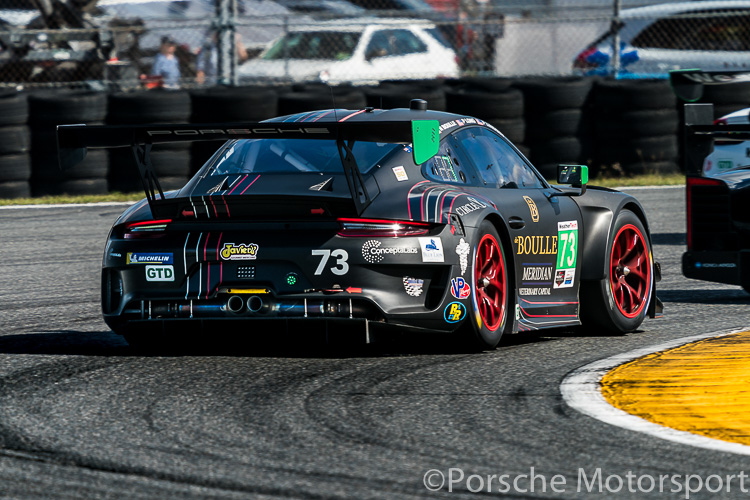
(490, 294)
(619, 302)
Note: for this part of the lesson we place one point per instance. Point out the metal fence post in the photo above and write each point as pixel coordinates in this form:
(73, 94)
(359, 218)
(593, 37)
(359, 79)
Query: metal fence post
(226, 11)
(616, 39)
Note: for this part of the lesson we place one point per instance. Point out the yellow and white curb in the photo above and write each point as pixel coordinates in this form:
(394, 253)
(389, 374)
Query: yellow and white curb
(582, 391)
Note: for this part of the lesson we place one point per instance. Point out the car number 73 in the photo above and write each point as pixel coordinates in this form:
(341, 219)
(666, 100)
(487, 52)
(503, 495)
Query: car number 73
(341, 267)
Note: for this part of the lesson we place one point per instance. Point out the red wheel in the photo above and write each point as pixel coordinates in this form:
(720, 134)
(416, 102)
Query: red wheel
(489, 277)
(619, 302)
(490, 296)
(630, 271)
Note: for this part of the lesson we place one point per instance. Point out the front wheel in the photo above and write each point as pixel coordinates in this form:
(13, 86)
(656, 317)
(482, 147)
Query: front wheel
(619, 302)
(490, 293)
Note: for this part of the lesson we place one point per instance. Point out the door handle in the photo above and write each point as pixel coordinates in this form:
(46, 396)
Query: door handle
(516, 223)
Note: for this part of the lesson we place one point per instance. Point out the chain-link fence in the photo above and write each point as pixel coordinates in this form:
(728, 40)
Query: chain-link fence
(127, 44)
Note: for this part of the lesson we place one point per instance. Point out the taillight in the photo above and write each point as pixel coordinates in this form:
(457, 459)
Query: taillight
(381, 228)
(692, 182)
(146, 229)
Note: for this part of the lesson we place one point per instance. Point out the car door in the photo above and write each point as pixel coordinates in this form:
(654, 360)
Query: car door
(544, 229)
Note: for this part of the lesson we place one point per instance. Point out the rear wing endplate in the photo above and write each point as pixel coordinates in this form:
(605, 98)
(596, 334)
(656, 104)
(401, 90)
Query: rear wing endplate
(74, 140)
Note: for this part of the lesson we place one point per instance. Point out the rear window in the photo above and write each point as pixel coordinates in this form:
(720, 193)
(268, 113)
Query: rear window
(707, 30)
(296, 155)
(314, 45)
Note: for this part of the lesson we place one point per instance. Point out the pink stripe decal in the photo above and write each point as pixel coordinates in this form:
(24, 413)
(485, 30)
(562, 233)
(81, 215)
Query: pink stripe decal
(226, 206)
(408, 197)
(324, 114)
(238, 184)
(248, 186)
(353, 114)
(549, 303)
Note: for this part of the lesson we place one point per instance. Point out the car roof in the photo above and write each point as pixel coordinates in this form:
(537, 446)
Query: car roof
(358, 24)
(678, 7)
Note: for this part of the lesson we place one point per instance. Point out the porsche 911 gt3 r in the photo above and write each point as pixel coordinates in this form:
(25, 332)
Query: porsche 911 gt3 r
(403, 218)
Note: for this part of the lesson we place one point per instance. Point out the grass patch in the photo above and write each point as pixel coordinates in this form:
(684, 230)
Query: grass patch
(66, 199)
(605, 181)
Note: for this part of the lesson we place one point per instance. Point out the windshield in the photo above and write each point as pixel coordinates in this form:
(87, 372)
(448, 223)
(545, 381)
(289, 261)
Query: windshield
(295, 155)
(335, 45)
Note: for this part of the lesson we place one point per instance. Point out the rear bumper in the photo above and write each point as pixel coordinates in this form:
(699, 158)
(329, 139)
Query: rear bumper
(731, 268)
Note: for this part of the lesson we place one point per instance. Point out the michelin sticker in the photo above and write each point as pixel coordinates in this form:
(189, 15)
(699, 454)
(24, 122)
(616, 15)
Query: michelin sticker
(567, 251)
(432, 249)
(149, 258)
(462, 249)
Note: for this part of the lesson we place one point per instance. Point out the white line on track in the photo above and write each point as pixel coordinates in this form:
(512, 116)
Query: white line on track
(66, 205)
(581, 391)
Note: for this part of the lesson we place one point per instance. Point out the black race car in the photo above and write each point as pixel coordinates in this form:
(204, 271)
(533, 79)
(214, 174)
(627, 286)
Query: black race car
(372, 218)
(718, 208)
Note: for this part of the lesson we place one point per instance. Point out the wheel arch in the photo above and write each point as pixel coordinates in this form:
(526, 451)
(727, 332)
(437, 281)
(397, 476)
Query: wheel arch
(598, 219)
(496, 220)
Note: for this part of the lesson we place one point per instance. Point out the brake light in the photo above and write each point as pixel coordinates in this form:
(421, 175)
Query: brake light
(381, 228)
(692, 182)
(146, 229)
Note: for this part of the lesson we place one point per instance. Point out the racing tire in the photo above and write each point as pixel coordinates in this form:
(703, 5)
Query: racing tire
(484, 105)
(14, 189)
(546, 94)
(489, 311)
(610, 95)
(619, 302)
(49, 108)
(15, 168)
(512, 128)
(15, 139)
(155, 106)
(69, 187)
(399, 96)
(14, 108)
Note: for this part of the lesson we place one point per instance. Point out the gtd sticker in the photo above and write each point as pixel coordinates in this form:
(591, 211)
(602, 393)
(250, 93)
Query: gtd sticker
(159, 273)
(460, 288)
(148, 258)
(432, 249)
(454, 312)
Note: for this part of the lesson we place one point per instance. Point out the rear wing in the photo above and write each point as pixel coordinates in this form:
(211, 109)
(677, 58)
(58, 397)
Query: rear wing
(699, 129)
(74, 140)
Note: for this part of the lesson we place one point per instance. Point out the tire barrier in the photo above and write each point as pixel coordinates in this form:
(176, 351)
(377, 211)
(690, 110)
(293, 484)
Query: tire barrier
(625, 127)
(556, 124)
(493, 101)
(243, 104)
(635, 127)
(154, 106)
(15, 144)
(48, 109)
(399, 95)
(315, 97)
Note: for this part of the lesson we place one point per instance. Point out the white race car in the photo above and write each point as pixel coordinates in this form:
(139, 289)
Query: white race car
(729, 155)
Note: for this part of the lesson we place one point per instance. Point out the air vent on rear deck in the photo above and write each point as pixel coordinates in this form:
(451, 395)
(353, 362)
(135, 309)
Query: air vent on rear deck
(246, 272)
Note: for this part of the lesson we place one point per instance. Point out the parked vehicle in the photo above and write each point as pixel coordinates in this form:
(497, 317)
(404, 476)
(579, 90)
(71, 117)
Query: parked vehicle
(711, 35)
(365, 51)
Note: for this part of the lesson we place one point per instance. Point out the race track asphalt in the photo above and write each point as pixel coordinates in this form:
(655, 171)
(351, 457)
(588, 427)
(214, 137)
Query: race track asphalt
(83, 416)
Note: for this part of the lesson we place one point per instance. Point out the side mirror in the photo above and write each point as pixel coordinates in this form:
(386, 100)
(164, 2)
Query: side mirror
(575, 175)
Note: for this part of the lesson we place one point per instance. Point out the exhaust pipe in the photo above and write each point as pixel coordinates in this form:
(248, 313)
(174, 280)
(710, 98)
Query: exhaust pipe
(254, 304)
(235, 304)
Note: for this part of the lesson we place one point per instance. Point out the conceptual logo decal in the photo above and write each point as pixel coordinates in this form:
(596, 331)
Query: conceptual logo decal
(373, 252)
(233, 251)
(460, 288)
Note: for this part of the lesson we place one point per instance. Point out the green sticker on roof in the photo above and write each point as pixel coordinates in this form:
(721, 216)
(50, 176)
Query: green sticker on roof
(425, 139)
